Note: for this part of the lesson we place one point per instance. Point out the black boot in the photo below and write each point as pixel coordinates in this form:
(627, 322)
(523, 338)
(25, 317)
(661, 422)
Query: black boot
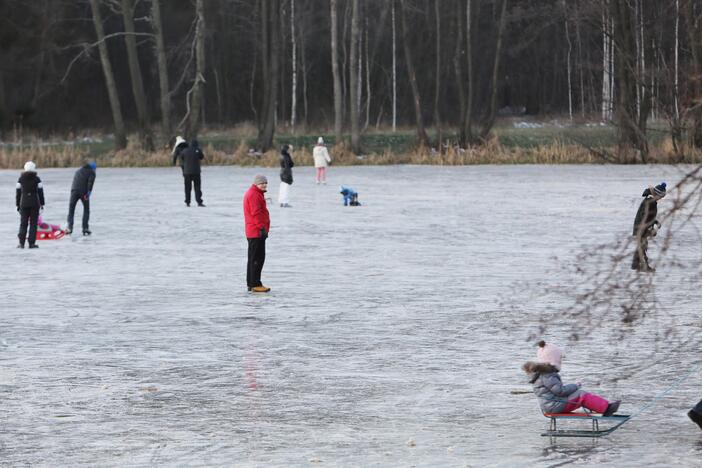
(33, 246)
(696, 417)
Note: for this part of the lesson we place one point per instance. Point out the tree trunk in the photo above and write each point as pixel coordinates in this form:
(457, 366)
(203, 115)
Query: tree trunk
(199, 85)
(394, 68)
(568, 69)
(422, 138)
(630, 134)
(293, 59)
(120, 133)
(368, 83)
(693, 19)
(489, 120)
(355, 59)
(437, 73)
(145, 137)
(335, 70)
(271, 78)
(467, 125)
(458, 72)
(157, 24)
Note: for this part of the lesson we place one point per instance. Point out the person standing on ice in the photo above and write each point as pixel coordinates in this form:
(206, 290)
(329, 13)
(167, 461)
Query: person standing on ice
(286, 178)
(550, 354)
(321, 160)
(554, 397)
(646, 225)
(257, 223)
(190, 157)
(81, 189)
(29, 199)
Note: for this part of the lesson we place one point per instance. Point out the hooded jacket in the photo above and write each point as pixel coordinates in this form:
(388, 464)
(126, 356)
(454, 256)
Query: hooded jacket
(255, 213)
(29, 191)
(286, 165)
(645, 216)
(83, 180)
(552, 394)
(321, 156)
(191, 157)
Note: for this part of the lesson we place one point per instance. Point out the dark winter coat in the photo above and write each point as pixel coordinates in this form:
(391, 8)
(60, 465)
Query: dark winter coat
(83, 180)
(552, 394)
(645, 216)
(177, 153)
(286, 165)
(29, 193)
(191, 156)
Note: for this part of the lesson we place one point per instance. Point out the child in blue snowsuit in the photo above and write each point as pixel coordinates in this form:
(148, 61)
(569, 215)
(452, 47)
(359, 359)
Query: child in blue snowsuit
(350, 196)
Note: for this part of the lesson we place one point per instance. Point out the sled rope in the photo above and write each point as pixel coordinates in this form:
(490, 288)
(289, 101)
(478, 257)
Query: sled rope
(662, 394)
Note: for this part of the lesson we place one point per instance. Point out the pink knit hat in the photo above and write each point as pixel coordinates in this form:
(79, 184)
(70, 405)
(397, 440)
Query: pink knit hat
(549, 353)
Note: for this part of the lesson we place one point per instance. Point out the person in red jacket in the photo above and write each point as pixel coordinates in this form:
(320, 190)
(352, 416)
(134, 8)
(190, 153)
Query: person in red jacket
(258, 224)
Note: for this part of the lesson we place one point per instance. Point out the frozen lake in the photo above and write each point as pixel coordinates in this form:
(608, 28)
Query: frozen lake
(382, 343)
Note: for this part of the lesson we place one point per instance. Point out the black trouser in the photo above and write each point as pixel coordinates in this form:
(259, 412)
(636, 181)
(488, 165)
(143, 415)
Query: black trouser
(28, 216)
(640, 260)
(257, 255)
(189, 180)
(75, 196)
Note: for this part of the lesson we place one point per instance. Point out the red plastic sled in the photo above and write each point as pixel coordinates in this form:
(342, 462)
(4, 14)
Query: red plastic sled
(46, 231)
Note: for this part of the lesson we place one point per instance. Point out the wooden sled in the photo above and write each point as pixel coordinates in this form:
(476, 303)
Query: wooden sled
(553, 431)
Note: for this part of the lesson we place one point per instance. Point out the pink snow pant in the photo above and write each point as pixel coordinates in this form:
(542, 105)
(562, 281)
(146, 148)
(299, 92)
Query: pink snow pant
(321, 174)
(586, 400)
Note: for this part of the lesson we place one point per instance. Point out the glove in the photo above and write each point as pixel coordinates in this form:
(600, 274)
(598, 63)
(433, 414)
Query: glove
(18, 208)
(41, 208)
(264, 234)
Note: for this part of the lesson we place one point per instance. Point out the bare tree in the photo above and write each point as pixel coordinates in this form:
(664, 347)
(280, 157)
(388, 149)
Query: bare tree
(199, 84)
(135, 74)
(270, 30)
(335, 70)
(120, 132)
(354, 82)
(422, 138)
(437, 81)
(160, 52)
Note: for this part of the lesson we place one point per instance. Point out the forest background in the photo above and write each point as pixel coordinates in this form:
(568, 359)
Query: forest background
(384, 81)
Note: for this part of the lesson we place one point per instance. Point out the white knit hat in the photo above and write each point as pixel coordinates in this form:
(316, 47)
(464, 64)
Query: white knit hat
(29, 166)
(179, 141)
(320, 141)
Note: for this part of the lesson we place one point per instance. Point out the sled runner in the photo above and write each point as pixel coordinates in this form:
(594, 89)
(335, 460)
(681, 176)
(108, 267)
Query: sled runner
(46, 231)
(553, 431)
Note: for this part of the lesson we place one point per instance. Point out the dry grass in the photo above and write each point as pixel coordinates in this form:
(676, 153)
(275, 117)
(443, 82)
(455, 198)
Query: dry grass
(490, 153)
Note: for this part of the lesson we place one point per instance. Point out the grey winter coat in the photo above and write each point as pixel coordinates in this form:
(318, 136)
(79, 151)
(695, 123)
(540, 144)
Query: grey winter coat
(548, 388)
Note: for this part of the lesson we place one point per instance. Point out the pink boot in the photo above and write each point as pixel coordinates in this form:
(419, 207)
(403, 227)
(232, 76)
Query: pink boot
(588, 401)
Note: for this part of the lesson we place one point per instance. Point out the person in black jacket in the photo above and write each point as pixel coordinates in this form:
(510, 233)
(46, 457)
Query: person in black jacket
(81, 189)
(646, 225)
(286, 178)
(179, 146)
(29, 199)
(190, 157)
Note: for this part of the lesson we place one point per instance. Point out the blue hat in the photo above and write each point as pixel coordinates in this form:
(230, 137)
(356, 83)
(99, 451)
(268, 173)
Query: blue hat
(93, 165)
(659, 189)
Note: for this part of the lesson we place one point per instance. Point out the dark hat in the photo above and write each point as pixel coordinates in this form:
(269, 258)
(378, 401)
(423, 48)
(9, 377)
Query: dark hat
(659, 189)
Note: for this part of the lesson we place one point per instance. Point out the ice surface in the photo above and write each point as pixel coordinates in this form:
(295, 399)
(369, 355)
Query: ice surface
(382, 343)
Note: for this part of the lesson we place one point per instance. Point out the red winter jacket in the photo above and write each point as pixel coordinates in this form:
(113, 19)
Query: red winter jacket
(255, 212)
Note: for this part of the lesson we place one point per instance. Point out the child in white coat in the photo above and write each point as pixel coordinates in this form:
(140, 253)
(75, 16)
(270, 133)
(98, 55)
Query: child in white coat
(321, 160)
